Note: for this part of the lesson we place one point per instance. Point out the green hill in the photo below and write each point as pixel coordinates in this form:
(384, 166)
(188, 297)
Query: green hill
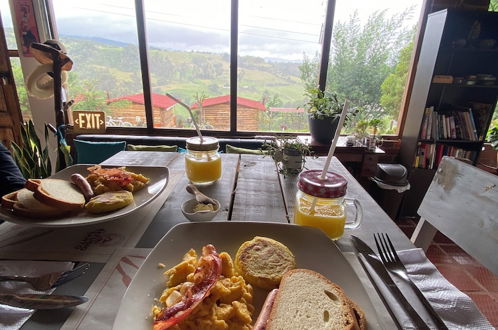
(115, 70)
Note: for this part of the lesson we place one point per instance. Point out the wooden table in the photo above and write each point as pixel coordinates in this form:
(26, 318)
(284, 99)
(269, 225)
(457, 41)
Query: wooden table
(250, 189)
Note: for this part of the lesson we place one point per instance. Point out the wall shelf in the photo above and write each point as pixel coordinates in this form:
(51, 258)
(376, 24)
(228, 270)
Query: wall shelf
(438, 58)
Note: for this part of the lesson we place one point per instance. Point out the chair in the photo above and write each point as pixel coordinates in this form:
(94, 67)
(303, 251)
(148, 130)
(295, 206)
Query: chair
(462, 203)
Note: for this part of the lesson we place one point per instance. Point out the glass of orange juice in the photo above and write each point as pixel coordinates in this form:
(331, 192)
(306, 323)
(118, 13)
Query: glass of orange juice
(321, 203)
(202, 160)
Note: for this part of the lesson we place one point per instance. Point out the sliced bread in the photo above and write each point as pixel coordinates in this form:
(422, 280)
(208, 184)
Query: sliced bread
(308, 300)
(359, 315)
(57, 193)
(23, 203)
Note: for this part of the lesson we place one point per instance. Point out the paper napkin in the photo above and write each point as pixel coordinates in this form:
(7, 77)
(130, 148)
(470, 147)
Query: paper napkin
(454, 307)
(12, 317)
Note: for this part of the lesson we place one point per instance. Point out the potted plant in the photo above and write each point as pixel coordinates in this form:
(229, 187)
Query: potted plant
(374, 123)
(289, 154)
(324, 110)
(360, 130)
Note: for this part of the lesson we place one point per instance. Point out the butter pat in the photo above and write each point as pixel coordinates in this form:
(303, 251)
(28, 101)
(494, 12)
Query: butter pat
(203, 207)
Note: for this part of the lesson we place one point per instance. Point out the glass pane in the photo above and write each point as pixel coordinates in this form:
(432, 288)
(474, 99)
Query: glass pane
(372, 45)
(21, 89)
(101, 39)
(7, 24)
(276, 40)
(189, 48)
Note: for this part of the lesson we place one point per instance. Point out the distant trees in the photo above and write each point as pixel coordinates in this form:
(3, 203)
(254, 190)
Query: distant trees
(394, 85)
(362, 58)
(21, 89)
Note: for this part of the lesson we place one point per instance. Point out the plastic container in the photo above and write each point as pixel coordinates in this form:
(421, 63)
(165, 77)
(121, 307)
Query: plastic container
(328, 196)
(202, 160)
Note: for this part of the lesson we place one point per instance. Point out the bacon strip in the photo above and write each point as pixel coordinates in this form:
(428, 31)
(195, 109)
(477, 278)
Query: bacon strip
(205, 276)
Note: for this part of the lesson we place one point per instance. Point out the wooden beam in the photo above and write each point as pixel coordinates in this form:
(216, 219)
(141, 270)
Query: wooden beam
(144, 62)
(234, 46)
(327, 39)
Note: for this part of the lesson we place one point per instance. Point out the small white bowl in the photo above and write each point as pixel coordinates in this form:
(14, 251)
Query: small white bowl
(188, 211)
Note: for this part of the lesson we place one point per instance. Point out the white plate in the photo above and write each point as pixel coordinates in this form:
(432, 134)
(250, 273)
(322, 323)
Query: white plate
(158, 180)
(313, 250)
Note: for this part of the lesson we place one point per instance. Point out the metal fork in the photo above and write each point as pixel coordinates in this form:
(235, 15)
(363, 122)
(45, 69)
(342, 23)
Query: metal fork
(391, 261)
(51, 280)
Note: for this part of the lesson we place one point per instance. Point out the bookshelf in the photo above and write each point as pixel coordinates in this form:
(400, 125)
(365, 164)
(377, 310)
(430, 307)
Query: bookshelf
(451, 113)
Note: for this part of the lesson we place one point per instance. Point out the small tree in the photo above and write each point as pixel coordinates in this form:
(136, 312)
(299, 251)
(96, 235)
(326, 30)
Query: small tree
(270, 101)
(393, 86)
(199, 98)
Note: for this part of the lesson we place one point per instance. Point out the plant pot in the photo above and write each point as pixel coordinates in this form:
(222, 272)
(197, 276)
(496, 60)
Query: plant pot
(292, 161)
(323, 130)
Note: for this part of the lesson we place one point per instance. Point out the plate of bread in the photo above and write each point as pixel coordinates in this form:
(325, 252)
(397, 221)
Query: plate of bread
(84, 194)
(246, 275)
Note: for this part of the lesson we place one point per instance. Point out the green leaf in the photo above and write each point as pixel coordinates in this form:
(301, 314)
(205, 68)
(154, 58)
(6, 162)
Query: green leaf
(18, 156)
(33, 135)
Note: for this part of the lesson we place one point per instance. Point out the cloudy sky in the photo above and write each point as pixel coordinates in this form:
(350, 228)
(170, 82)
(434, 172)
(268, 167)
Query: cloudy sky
(279, 29)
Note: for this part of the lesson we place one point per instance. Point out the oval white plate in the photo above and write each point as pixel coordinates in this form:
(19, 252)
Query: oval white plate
(311, 247)
(158, 180)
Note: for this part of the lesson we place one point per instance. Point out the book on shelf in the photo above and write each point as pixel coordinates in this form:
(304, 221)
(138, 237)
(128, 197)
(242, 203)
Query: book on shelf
(466, 124)
(429, 155)
(425, 120)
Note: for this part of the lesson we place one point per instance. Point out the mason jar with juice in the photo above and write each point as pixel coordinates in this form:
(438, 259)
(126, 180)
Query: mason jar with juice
(321, 203)
(202, 160)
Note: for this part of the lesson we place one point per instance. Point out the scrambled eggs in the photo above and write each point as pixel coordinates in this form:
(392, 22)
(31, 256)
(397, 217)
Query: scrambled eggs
(229, 305)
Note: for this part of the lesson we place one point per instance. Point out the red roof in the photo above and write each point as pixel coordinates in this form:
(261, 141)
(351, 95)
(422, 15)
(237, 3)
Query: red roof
(226, 100)
(158, 100)
(287, 110)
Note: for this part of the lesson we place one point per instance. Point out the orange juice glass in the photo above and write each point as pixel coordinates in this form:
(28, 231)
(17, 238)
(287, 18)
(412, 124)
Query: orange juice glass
(321, 203)
(202, 160)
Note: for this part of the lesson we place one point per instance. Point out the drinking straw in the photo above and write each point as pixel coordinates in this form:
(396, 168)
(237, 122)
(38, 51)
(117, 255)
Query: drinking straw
(331, 150)
(336, 138)
(191, 115)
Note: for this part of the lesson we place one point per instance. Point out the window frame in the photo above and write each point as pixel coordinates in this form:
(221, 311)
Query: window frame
(234, 16)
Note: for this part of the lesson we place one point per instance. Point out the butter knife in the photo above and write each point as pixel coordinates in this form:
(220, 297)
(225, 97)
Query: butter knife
(367, 255)
(41, 301)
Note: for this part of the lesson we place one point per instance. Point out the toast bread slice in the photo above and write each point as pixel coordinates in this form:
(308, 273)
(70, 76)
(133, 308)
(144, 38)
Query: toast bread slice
(57, 193)
(308, 300)
(23, 203)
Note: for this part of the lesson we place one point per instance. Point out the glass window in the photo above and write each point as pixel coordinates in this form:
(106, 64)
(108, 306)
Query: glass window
(372, 44)
(21, 89)
(7, 24)
(101, 39)
(189, 46)
(276, 40)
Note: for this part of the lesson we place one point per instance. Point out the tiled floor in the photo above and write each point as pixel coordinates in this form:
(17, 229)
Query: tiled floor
(462, 271)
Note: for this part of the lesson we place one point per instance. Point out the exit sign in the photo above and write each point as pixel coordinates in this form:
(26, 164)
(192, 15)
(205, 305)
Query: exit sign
(89, 121)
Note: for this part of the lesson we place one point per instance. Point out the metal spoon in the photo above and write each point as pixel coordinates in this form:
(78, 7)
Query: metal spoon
(200, 197)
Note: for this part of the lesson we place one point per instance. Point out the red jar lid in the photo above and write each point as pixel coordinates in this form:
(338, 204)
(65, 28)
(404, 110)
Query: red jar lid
(333, 186)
